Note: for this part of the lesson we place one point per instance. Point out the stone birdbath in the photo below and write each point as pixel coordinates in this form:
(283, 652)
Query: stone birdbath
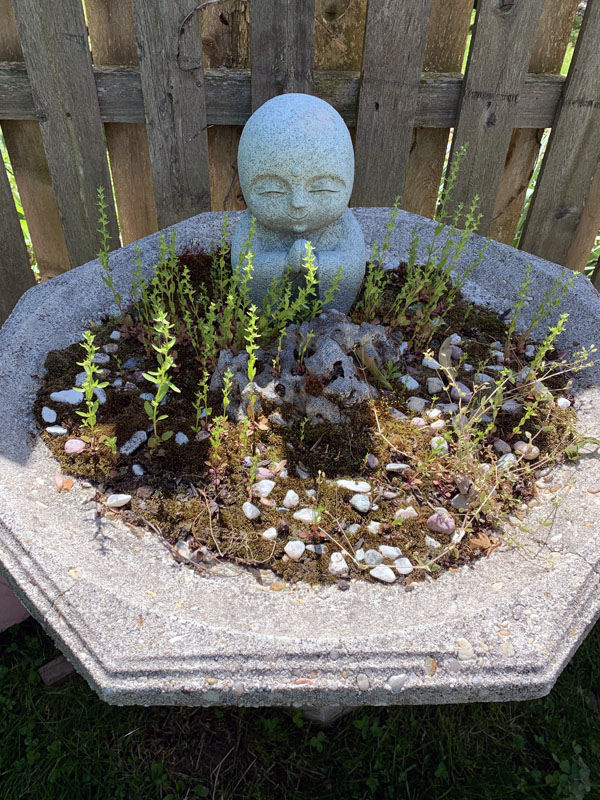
(144, 629)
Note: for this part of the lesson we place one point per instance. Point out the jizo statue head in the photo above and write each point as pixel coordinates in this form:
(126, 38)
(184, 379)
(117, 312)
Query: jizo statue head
(296, 164)
(296, 170)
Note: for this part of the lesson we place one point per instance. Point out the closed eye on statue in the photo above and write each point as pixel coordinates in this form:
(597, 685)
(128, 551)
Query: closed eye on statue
(269, 185)
(326, 185)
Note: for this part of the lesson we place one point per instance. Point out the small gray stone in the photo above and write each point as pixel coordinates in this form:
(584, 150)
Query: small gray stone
(276, 419)
(115, 336)
(512, 407)
(80, 378)
(131, 445)
(360, 554)
(562, 402)
(362, 681)
(432, 543)
(418, 422)
(507, 461)
(131, 363)
(337, 565)
(69, 396)
(354, 528)
(461, 392)
(100, 395)
(295, 549)
(372, 461)
(110, 348)
(431, 363)
(409, 383)
(373, 557)
(101, 358)
(118, 500)
(417, 404)
(181, 438)
(138, 470)
(250, 510)
(270, 534)
(360, 502)
(527, 450)
(397, 415)
(48, 414)
(382, 573)
(501, 446)
(459, 502)
(435, 385)
(317, 549)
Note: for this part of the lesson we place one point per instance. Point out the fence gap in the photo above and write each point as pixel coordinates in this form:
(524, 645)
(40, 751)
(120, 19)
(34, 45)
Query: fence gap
(547, 56)
(573, 152)
(59, 65)
(444, 52)
(112, 39)
(500, 50)
(282, 47)
(26, 151)
(15, 273)
(170, 49)
(387, 102)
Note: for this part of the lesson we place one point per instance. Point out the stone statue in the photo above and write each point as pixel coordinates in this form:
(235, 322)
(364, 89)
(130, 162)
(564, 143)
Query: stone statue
(296, 169)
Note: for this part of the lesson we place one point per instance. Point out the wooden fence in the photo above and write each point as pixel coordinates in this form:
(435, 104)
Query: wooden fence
(162, 88)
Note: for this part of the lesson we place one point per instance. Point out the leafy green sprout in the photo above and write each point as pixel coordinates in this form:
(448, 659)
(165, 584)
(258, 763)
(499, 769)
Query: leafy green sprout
(103, 254)
(218, 427)
(90, 386)
(163, 344)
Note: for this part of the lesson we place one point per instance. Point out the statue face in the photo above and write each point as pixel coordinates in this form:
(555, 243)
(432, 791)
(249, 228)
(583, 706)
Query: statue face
(296, 164)
(297, 199)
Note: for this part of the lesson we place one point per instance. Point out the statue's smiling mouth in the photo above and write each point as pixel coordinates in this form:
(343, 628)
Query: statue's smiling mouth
(298, 219)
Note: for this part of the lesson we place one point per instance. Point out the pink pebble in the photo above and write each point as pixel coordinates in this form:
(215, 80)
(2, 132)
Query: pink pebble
(74, 446)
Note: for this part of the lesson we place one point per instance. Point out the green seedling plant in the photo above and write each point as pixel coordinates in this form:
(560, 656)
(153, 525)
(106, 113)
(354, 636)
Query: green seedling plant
(161, 378)
(200, 404)
(103, 256)
(89, 389)
(219, 425)
(376, 279)
(303, 349)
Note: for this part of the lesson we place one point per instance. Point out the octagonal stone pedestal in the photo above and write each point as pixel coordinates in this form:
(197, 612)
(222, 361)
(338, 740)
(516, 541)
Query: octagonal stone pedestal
(143, 629)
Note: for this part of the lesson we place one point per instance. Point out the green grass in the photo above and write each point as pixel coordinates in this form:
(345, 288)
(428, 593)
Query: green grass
(63, 742)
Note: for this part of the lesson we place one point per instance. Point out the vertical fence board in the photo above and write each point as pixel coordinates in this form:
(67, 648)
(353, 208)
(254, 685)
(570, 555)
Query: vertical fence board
(15, 273)
(54, 41)
(444, 52)
(502, 40)
(170, 53)
(112, 40)
(225, 45)
(391, 70)
(26, 150)
(547, 57)
(573, 152)
(587, 229)
(281, 46)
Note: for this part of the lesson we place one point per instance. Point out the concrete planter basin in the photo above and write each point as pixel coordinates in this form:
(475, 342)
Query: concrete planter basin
(144, 630)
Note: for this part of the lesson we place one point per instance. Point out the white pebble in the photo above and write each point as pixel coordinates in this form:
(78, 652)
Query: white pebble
(115, 336)
(431, 363)
(49, 414)
(403, 566)
(263, 488)
(291, 499)
(117, 500)
(562, 402)
(374, 527)
(418, 422)
(506, 461)
(417, 404)
(181, 438)
(390, 552)
(382, 573)
(439, 446)
(57, 430)
(137, 469)
(69, 396)
(437, 425)
(432, 543)
(362, 487)
(396, 466)
(360, 502)
(373, 558)
(307, 515)
(295, 549)
(406, 513)
(250, 510)
(80, 378)
(337, 565)
(270, 534)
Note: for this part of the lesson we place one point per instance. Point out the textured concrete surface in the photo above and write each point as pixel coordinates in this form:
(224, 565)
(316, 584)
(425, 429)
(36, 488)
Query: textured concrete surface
(296, 167)
(143, 629)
